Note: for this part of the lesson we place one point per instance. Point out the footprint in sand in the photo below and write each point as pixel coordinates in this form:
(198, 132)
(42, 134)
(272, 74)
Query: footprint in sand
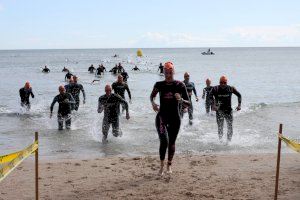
(77, 164)
(94, 166)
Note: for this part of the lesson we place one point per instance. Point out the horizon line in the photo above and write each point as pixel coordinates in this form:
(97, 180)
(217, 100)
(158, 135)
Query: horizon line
(26, 49)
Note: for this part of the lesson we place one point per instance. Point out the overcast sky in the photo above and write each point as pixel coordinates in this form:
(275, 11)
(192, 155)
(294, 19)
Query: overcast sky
(54, 24)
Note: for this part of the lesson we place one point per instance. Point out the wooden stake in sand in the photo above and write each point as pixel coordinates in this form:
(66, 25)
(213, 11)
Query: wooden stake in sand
(278, 163)
(36, 168)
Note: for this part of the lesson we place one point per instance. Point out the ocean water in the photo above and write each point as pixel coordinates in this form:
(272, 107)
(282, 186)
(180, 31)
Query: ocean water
(268, 79)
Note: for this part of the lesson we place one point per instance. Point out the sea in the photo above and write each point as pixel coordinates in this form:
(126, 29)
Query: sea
(267, 78)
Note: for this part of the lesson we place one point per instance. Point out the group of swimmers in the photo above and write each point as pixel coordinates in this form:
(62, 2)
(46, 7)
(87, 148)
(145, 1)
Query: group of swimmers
(175, 100)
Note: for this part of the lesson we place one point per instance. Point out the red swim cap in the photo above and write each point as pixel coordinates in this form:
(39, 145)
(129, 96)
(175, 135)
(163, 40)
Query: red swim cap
(168, 66)
(223, 79)
(27, 85)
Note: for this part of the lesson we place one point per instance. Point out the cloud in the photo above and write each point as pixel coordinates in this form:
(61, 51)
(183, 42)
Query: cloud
(268, 34)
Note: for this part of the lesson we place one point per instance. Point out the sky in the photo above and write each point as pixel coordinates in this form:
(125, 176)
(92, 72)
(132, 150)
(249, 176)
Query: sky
(68, 24)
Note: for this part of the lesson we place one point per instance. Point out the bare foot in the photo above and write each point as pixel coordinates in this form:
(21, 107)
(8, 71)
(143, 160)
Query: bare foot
(169, 169)
(161, 170)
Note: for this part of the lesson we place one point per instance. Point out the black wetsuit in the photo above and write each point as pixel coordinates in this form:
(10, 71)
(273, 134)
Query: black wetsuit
(91, 69)
(221, 96)
(46, 70)
(111, 106)
(68, 76)
(114, 70)
(161, 69)
(119, 88)
(135, 69)
(208, 100)
(120, 69)
(168, 119)
(74, 89)
(99, 71)
(24, 95)
(64, 109)
(125, 76)
(190, 87)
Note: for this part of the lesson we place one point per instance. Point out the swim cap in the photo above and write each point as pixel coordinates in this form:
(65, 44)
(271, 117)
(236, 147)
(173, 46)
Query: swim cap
(208, 80)
(27, 85)
(61, 88)
(168, 66)
(223, 79)
(107, 87)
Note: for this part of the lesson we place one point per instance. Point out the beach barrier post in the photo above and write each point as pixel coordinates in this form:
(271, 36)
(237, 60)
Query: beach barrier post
(278, 163)
(36, 168)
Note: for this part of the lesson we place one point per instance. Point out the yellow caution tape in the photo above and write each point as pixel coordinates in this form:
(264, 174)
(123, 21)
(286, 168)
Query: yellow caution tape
(9, 162)
(290, 143)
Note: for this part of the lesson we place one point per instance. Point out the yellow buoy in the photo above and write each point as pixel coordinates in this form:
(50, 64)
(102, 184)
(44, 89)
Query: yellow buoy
(139, 53)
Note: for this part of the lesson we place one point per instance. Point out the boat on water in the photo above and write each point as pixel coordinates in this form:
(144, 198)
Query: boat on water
(208, 52)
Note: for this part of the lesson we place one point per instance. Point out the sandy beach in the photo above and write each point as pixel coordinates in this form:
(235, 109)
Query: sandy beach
(207, 176)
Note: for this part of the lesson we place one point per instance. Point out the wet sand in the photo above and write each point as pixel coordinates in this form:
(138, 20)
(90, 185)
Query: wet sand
(207, 176)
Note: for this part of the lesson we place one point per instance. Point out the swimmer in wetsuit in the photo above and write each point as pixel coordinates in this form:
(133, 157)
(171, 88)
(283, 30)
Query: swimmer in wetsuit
(119, 88)
(64, 109)
(125, 76)
(46, 69)
(221, 97)
(65, 69)
(25, 93)
(120, 68)
(172, 94)
(161, 68)
(206, 95)
(135, 68)
(68, 76)
(190, 87)
(114, 70)
(91, 69)
(74, 89)
(110, 104)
